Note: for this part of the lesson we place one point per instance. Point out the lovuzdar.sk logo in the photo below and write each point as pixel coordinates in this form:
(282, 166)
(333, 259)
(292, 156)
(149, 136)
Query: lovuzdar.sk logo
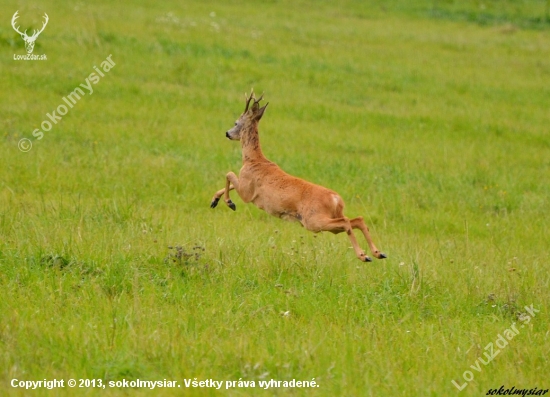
(29, 40)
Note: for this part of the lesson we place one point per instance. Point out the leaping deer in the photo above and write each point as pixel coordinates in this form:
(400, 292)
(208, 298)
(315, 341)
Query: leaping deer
(29, 40)
(271, 189)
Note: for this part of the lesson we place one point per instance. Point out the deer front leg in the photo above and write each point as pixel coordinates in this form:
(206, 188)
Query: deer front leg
(232, 182)
(217, 196)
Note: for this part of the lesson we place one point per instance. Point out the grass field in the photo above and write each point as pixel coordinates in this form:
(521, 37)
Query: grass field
(430, 118)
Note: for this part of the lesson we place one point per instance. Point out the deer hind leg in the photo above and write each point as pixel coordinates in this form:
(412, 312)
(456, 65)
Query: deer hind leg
(231, 182)
(337, 225)
(359, 223)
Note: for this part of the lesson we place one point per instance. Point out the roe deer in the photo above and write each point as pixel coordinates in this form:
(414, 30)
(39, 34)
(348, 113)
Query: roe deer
(271, 189)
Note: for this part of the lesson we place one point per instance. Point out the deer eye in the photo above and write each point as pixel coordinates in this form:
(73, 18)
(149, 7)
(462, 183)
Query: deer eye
(235, 123)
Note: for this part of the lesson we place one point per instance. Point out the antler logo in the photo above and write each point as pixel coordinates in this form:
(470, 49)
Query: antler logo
(29, 40)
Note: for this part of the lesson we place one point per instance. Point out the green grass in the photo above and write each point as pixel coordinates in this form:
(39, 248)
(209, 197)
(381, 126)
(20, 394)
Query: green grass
(430, 118)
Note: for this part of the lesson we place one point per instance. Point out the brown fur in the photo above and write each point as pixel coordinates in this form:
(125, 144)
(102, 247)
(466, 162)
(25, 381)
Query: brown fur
(263, 183)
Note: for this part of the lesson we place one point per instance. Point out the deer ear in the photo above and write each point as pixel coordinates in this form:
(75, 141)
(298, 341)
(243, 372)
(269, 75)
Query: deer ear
(261, 112)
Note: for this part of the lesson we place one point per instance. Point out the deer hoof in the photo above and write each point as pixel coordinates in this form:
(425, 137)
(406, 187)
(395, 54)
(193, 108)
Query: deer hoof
(214, 203)
(368, 259)
(232, 205)
(382, 256)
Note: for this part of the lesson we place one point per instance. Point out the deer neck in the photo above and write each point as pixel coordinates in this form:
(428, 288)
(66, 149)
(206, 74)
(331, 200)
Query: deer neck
(250, 142)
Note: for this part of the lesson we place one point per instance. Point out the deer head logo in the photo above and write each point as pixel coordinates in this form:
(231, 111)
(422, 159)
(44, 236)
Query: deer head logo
(29, 40)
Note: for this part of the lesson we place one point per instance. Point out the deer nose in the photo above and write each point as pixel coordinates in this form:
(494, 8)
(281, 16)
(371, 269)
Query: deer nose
(227, 134)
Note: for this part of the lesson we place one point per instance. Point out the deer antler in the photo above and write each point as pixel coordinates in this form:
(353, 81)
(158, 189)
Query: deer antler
(248, 99)
(36, 33)
(257, 101)
(13, 19)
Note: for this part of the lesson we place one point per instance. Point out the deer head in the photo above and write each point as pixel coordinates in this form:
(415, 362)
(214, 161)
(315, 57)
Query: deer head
(251, 114)
(29, 40)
